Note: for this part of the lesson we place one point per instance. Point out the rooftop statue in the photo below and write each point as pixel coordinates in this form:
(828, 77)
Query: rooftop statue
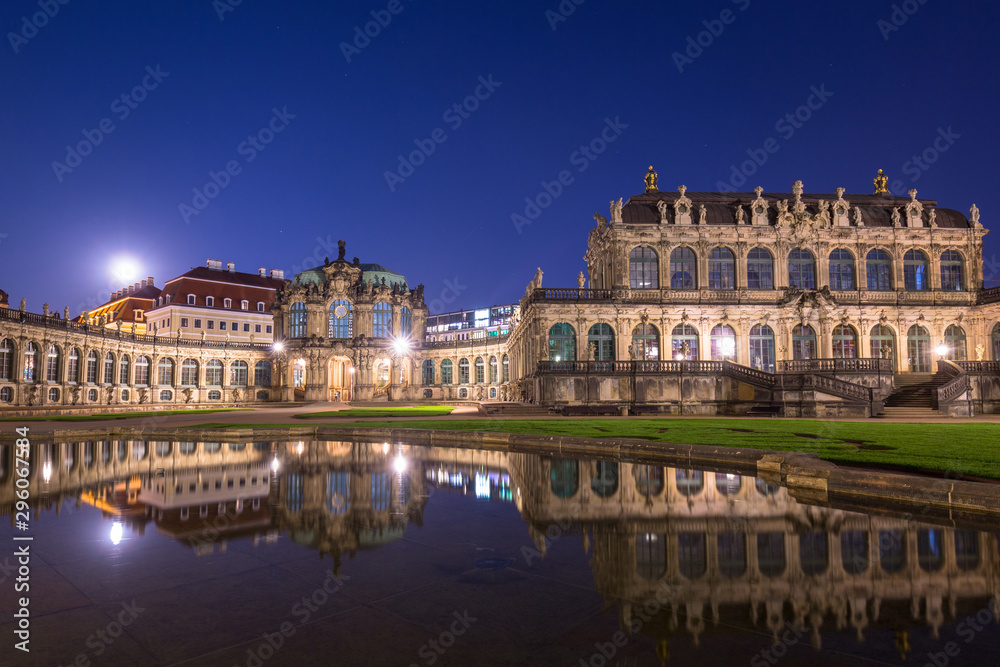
(881, 183)
(651, 179)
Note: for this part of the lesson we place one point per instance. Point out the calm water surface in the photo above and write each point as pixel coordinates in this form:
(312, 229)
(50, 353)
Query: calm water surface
(340, 553)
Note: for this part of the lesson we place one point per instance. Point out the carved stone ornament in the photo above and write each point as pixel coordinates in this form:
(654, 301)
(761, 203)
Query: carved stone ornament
(616, 211)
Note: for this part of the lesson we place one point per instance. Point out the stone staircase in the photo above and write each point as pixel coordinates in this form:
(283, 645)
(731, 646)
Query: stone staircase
(914, 395)
(521, 410)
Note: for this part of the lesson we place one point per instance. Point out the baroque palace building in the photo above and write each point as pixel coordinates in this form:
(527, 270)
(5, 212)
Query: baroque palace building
(692, 303)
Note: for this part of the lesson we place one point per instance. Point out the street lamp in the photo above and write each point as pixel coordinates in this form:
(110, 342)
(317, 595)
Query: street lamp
(277, 347)
(941, 350)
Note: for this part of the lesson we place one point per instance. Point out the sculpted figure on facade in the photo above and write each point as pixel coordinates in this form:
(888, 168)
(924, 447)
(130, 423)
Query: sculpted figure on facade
(858, 220)
(661, 206)
(896, 219)
(616, 211)
(581, 280)
(974, 215)
(739, 214)
(702, 215)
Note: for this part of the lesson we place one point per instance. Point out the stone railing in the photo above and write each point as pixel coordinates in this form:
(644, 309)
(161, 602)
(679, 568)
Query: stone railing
(747, 296)
(979, 366)
(828, 385)
(990, 295)
(749, 375)
(835, 366)
(957, 386)
(469, 342)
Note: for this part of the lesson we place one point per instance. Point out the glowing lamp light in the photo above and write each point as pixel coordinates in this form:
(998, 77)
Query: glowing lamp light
(399, 464)
(299, 448)
(47, 471)
(941, 350)
(124, 270)
(116, 532)
(385, 447)
(679, 356)
(728, 347)
(275, 464)
(278, 346)
(402, 345)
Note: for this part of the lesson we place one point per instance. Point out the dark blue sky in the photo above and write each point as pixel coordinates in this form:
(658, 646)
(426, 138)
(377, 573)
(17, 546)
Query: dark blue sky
(890, 93)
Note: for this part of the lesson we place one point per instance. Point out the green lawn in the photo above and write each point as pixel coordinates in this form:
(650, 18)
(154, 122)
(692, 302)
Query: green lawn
(959, 448)
(415, 411)
(119, 415)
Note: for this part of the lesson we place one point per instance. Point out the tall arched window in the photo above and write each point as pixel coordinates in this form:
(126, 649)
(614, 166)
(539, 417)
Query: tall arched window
(854, 551)
(760, 269)
(814, 554)
(721, 269)
(564, 477)
(165, 372)
(646, 342)
(803, 342)
(683, 271)
(918, 349)
(845, 342)
(405, 322)
(954, 340)
(213, 373)
(604, 483)
(643, 269)
(189, 373)
(841, 270)
(142, 372)
(601, 339)
(684, 342)
(427, 372)
(562, 342)
(648, 479)
(493, 370)
(262, 374)
(6, 359)
(651, 555)
(73, 367)
(446, 372)
(480, 370)
(879, 269)
(883, 343)
(689, 482)
(915, 271)
(382, 320)
(463, 371)
(951, 271)
(92, 367)
(505, 369)
(341, 319)
(238, 374)
(109, 368)
(723, 342)
(995, 339)
(52, 364)
(801, 269)
(123, 370)
(692, 555)
(298, 320)
(30, 362)
(762, 348)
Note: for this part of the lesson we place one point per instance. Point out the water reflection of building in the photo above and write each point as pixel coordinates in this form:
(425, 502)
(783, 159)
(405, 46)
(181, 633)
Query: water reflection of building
(734, 551)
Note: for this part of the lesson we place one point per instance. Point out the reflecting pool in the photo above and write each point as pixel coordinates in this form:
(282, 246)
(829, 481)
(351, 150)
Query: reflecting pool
(362, 553)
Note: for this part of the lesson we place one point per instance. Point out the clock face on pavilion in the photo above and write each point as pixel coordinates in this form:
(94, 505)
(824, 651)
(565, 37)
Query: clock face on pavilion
(340, 311)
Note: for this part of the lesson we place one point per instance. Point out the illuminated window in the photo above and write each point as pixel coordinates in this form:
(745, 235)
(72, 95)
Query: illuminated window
(73, 367)
(760, 269)
(30, 362)
(952, 269)
(845, 342)
(480, 370)
(109, 368)
(801, 269)
(762, 348)
(841, 270)
(723, 342)
(803, 342)
(142, 372)
(954, 340)
(915, 271)
(562, 342)
(298, 320)
(238, 374)
(92, 367)
(382, 320)
(341, 320)
(52, 365)
(683, 271)
(721, 269)
(879, 269)
(601, 339)
(684, 342)
(646, 342)
(189, 373)
(6, 359)
(643, 268)
(505, 369)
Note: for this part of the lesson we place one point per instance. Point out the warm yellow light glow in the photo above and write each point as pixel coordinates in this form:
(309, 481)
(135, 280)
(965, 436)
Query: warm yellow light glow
(116, 532)
(275, 464)
(399, 464)
(941, 350)
(402, 345)
(299, 448)
(279, 346)
(47, 471)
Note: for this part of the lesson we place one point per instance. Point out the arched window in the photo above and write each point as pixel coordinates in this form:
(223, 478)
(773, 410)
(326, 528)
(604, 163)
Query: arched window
(845, 342)
(995, 339)
(721, 269)
(646, 342)
(564, 477)
(109, 368)
(6, 359)
(604, 483)
(123, 370)
(463, 371)
(762, 348)
(801, 269)
(915, 271)
(690, 482)
(728, 484)
(30, 362)
(446, 372)
(382, 320)
(52, 364)
(918, 349)
(92, 367)
(648, 479)
(692, 556)
(879, 268)
(643, 269)
(814, 554)
(803, 342)
(841, 270)
(505, 369)
(213, 373)
(683, 271)
(142, 372)
(338, 492)
(562, 342)
(930, 549)
(952, 269)
(684, 343)
(189, 373)
(480, 371)
(298, 320)
(883, 342)
(428, 372)
(954, 340)
(73, 367)
(892, 550)
(493, 370)
(723, 342)
(650, 556)
(238, 374)
(771, 553)
(165, 372)
(732, 554)
(405, 322)
(601, 339)
(854, 551)
(262, 374)
(341, 320)
(760, 269)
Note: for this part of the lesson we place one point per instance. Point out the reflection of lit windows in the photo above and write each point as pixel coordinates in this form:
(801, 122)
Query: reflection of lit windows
(482, 486)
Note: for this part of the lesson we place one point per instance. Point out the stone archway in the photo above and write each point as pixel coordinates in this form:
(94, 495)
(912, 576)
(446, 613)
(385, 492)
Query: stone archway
(341, 374)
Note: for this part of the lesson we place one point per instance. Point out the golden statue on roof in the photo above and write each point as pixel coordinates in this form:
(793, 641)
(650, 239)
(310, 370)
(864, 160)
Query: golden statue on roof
(881, 181)
(651, 179)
